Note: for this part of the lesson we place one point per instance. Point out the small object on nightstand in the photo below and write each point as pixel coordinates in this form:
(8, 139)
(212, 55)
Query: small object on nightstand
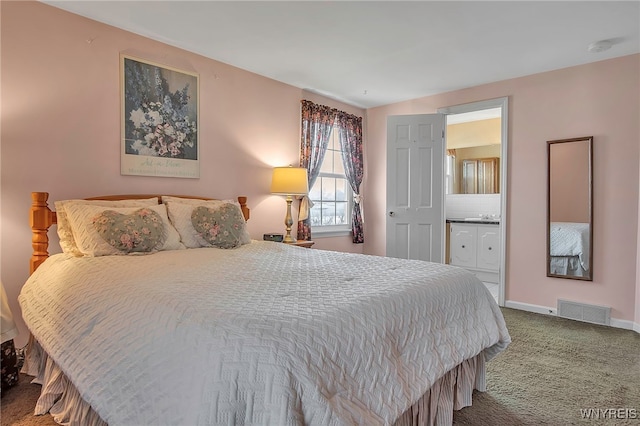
(273, 237)
(302, 243)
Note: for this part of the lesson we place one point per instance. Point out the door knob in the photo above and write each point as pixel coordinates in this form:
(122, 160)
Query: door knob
(392, 214)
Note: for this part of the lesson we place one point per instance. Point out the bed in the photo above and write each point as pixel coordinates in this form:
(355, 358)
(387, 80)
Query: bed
(258, 333)
(569, 249)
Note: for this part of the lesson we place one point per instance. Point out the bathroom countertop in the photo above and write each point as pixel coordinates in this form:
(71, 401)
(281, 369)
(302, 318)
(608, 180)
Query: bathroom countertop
(474, 221)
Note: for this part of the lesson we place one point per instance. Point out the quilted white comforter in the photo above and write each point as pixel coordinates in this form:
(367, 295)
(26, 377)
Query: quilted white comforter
(263, 334)
(570, 239)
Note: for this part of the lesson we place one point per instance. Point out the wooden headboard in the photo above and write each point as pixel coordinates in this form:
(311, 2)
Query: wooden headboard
(41, 218)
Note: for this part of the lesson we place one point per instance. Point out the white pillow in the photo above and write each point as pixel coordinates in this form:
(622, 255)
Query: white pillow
(90, 225)
(197, 201)
(209, 223)
(167, 198)
(67, 242)
(245, 237)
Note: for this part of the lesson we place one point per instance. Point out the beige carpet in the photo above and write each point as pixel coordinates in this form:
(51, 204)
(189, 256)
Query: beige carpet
(552, 369)
(555, 367)
(18, 403)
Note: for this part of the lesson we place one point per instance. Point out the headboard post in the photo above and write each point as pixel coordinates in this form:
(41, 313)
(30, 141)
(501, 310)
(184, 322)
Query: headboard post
(41, 218)
(243, 207)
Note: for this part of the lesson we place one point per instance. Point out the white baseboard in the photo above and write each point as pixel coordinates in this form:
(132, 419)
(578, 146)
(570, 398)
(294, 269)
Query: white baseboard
(627, 325)
(531, 308)
(617, 323)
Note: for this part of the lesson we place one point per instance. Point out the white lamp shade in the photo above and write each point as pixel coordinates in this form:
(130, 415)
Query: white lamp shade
(289, 181)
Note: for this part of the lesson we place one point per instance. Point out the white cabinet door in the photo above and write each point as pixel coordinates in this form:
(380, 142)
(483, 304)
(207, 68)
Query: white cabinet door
(488, 255)
(463, 245)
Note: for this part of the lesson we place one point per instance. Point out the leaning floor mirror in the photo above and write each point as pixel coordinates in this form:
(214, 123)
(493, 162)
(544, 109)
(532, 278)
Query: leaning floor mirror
(570, 208)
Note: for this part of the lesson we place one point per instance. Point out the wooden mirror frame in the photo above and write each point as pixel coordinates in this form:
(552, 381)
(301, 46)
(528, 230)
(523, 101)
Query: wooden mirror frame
(571, 227)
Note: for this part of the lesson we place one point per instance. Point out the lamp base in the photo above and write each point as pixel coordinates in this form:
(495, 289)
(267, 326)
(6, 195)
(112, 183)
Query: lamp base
(288, 222)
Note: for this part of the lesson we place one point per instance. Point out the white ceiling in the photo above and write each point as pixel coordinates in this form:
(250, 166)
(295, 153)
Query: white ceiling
(372, 53)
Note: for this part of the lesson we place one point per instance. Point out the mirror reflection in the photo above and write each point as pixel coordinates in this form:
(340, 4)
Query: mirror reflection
(480, 176)
(473, 152)
(569, 213)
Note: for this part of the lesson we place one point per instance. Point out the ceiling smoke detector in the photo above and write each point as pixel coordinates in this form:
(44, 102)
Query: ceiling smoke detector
(599, 46)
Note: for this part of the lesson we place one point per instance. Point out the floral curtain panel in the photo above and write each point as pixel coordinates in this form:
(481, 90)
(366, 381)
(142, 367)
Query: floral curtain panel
(317, 122)
(350, 128)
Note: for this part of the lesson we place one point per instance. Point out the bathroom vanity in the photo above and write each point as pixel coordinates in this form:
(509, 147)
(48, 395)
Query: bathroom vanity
(474, 244)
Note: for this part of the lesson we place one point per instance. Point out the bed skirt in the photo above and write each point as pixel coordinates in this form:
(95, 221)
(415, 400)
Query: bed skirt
(567, 265)
(60, 398)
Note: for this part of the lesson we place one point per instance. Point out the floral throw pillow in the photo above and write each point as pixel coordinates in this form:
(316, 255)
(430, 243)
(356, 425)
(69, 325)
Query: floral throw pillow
(180, 214)
(65, 233)
(139, 232)
(220, 227)
(91, 243)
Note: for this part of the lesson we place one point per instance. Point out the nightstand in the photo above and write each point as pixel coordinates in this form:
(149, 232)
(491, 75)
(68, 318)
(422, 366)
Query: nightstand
(302, 243)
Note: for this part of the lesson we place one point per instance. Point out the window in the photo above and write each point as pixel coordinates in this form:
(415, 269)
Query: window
(450, 171)
(331, 194)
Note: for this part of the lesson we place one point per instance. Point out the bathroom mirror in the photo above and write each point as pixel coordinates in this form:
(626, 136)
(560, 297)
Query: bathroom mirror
(570, 208)
(474, 148)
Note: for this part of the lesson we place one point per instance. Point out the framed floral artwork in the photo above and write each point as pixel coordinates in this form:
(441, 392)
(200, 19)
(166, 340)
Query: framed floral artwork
(159, 120)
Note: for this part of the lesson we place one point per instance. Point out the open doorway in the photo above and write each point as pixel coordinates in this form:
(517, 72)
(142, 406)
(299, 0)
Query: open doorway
(476, 189)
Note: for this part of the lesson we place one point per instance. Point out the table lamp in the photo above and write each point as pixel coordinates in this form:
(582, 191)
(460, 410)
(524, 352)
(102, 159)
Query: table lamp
(289, 181)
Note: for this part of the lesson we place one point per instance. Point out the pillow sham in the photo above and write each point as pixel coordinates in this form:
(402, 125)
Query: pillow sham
(245, 237)
(104, 231)
(168, 198)
(209, 223)
(195, 201)
(65, 234)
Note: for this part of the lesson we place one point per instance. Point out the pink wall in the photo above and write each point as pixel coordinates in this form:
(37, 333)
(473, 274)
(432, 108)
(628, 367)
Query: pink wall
(637, 316)
(61, 127)
(600, 99)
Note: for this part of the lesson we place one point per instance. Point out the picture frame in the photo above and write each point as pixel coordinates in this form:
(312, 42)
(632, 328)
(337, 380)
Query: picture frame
(159, 120)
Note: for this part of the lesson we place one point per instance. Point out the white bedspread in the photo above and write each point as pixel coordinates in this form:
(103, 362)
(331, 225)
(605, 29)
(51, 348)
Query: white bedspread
(263, 334)
(570, 239)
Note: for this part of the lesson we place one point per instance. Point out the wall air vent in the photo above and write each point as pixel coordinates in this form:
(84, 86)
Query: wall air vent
(583, 312)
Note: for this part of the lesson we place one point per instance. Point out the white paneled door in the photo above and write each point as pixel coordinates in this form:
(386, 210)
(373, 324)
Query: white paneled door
(415, 186)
